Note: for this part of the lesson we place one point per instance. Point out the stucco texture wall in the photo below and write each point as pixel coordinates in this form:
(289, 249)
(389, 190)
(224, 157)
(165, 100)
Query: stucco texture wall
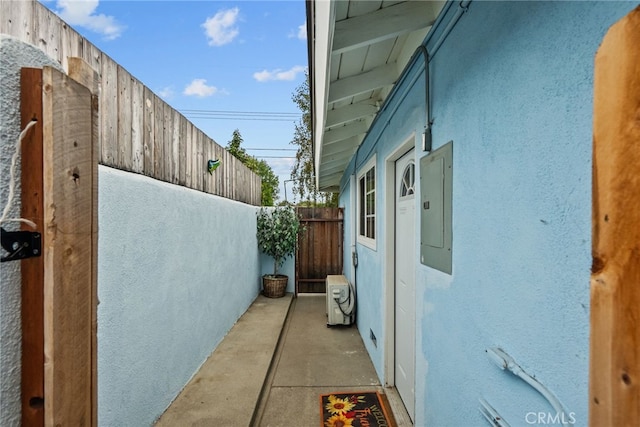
(176, 268)
(13, 56)
(512, 87)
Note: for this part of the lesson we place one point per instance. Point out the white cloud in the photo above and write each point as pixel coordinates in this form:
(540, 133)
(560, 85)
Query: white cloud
(221, 28)
(302, 31)
(278, 74)
(82, 13)
(166, 92)
(198, 87)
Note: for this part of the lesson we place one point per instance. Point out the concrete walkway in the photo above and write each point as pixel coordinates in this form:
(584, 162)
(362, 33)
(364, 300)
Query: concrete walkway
(272, 367)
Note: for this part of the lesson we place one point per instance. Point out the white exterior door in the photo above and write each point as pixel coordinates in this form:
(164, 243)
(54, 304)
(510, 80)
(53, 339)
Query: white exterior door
(405, 282)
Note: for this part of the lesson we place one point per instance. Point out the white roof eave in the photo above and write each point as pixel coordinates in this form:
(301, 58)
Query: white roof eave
(324, 24)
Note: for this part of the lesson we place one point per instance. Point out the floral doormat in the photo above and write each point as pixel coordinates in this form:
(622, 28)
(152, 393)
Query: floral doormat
(357, 409)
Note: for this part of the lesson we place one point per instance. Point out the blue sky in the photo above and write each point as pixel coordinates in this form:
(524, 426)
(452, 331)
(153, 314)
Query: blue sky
(243, 57)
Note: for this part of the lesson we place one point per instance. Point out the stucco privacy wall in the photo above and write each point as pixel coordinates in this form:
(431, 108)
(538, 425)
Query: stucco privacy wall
(176, 268)
(13, 56)
(183, 281)
(512, 87)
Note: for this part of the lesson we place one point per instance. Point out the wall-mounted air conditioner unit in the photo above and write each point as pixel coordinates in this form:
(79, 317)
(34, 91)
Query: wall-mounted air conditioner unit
(341, 301)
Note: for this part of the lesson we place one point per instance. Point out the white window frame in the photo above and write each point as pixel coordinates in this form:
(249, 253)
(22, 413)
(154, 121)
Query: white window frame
(363, 239)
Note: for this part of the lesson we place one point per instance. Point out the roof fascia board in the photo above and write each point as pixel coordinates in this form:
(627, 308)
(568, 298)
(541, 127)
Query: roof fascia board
(324, 21)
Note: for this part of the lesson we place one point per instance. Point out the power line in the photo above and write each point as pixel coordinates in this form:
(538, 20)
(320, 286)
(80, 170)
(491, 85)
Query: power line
(272, 149)
(275, 157)
(261, 113)
(241, 115)
(240, 118)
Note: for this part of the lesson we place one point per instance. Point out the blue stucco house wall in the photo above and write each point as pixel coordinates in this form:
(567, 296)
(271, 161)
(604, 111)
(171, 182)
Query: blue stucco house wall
(512, 86)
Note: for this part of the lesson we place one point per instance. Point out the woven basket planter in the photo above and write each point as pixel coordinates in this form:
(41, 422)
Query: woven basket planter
(274, 286)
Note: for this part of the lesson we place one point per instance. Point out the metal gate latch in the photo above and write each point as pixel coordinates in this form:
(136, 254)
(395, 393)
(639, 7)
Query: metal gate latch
(21, 244)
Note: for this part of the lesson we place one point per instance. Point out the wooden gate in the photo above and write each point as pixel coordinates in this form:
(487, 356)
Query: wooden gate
(320, 248)
(59, 288)
(614, 391)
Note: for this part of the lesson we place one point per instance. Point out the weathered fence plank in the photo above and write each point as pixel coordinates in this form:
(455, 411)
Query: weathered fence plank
(139, 132)
(188, 158)
(125, 116)
(17, 19)
(167, 138)
(137, 126)
(200, 161)
(149, 132)
(109, 113)
(158, 138)
(92, 55)
(182, 151)
(71, 45)
(175, 146)
(194, 156)
(47, 26)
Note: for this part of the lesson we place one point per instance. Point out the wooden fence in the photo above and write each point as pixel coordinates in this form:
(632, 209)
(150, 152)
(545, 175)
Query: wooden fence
(320, 248)
(138, 131)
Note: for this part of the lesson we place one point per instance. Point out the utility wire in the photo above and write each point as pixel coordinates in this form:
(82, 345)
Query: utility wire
(240, 118)
(241, 115)
(275, 157)
(269, 113)
(272, 149)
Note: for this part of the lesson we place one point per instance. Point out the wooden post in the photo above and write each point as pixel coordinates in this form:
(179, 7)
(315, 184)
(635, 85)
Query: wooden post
(32, 310)
(614, 390)
(69, 174)
(83, 73)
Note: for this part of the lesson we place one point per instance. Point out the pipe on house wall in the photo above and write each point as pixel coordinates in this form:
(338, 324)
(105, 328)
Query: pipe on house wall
(426, 136)
(491, 415)
(505, 361)
(463, 7)
(354, 232)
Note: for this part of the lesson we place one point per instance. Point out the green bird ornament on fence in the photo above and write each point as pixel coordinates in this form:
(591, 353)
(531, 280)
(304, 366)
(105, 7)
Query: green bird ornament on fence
(213, 165)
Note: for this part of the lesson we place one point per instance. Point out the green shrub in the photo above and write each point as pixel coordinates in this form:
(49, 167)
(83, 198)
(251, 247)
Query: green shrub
(278, 233)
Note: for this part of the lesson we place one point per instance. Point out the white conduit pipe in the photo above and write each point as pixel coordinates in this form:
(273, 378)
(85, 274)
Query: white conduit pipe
(504, 361)
(491, 415)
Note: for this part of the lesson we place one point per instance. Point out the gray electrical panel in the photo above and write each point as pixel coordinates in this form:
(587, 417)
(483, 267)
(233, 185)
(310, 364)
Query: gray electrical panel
(436, 173)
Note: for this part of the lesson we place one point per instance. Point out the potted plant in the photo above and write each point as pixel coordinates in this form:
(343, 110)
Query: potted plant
(277, 237)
